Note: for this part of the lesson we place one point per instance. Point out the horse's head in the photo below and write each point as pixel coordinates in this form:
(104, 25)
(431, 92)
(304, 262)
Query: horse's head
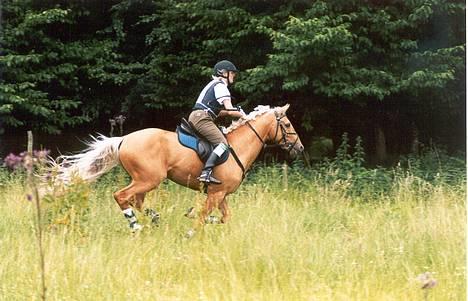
(283, 133)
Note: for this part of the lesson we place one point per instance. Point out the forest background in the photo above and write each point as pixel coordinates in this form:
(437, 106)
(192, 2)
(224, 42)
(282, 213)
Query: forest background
(392, 72)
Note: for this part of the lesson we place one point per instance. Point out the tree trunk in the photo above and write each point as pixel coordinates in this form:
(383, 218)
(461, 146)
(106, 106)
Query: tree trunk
(414, 139)
(380, 145)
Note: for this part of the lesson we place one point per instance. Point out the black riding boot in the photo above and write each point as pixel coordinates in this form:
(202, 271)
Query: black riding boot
(206, 175)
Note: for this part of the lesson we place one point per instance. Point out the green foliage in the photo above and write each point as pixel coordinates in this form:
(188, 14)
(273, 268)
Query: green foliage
(359, 52)
(347, 170)
(182, 41)
(54, 75)
(365, 54)
(7, 177)
(436, 166)
(67, 63)
(68, 208)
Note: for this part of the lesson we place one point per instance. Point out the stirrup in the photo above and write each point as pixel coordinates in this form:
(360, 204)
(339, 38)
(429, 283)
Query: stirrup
(206, 177)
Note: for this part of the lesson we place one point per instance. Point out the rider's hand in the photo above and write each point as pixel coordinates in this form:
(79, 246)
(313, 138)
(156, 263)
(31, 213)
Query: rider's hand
(241, 111)
(236, 114)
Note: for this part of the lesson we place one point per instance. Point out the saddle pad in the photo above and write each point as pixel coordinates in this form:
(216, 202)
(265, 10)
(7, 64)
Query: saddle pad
(202, 147)
(188, 141)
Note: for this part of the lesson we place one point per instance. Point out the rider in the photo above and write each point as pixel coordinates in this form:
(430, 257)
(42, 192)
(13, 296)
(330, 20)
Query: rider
(213, 101)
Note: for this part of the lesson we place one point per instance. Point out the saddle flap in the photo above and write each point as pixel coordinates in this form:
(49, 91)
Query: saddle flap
(188, 137)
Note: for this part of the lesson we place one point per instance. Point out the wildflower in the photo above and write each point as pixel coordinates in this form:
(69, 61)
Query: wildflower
(427, 281)
(22, 160)
(29, 197)
(41, 155)
(12, 161)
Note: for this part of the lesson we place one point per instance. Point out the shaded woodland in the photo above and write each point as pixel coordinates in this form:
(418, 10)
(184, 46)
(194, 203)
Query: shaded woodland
(391, 72)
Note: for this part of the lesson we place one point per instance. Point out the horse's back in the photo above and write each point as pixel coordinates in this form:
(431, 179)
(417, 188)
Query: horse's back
(155, 151)
(143, 140)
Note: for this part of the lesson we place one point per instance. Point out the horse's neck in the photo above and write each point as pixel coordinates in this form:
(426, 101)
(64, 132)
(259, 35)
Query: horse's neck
(245, 142)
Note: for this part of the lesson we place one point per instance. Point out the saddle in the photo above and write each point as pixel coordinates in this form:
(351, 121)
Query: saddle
(190, 138)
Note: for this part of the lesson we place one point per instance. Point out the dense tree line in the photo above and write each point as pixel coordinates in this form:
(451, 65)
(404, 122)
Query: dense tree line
(391, 71)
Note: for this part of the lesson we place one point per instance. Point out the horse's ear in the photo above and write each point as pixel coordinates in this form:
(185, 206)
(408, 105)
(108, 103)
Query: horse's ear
(284, 109)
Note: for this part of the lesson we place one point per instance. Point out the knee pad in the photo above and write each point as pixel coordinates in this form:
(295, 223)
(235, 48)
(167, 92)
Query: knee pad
(220, 149)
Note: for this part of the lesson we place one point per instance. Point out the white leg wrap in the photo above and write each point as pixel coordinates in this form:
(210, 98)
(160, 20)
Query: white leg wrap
(132, 220)
(190, 233)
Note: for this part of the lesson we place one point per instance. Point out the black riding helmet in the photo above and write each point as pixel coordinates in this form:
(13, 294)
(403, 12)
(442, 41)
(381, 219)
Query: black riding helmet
(222, 66)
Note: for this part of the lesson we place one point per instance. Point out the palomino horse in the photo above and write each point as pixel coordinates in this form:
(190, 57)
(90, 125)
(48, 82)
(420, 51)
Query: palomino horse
(151, 155)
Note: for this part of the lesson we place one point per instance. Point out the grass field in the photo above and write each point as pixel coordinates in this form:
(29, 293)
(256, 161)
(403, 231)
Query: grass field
(311, 242)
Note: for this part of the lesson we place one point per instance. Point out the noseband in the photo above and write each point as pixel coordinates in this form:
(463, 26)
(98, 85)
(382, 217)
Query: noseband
(284, 144)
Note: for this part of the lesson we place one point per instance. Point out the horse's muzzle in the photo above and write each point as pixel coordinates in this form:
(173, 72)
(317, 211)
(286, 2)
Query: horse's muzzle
(296, 151)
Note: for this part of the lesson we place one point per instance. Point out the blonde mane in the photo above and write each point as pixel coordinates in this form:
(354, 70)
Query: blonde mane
(258, 111)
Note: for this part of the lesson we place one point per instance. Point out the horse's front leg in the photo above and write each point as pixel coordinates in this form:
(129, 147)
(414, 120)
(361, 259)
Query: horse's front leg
(225, 211)
(212, 201)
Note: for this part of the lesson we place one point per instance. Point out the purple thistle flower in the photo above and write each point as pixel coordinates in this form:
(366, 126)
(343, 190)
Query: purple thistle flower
(13, 161)
(41, 155)
(29, 197)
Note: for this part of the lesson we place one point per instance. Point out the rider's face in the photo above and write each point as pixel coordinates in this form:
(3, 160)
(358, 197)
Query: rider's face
(232, 76)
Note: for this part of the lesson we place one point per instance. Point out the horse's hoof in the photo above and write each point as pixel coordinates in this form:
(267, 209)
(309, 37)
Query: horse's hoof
(190, 213)
(136, 228)
(155, 216)
(190, 233)
(212, 220)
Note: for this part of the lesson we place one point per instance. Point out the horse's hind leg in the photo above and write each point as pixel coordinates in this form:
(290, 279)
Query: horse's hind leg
(133, 193)
(139, 199)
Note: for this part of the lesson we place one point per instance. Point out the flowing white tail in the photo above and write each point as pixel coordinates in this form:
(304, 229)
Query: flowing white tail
(101, 156)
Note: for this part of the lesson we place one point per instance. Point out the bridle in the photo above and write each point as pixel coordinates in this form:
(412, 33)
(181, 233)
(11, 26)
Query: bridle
(284, 143)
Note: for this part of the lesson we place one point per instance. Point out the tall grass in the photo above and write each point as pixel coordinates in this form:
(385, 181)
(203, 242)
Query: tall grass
(328, 237)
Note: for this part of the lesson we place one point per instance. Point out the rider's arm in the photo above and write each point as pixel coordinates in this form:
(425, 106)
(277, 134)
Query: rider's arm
(230, 110)
(223, 96)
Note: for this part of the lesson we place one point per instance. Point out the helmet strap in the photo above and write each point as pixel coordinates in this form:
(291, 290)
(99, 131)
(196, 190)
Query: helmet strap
(226, 77)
